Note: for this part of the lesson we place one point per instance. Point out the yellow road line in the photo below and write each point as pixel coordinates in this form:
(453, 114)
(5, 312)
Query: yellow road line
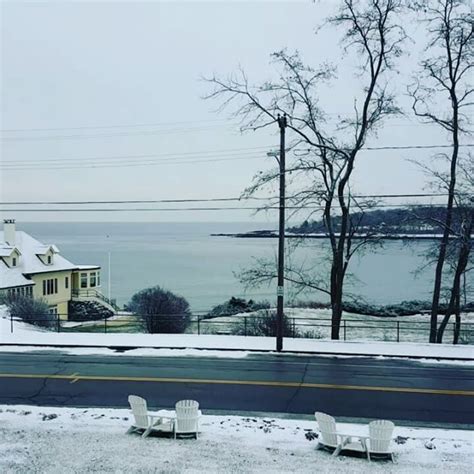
(75, 377)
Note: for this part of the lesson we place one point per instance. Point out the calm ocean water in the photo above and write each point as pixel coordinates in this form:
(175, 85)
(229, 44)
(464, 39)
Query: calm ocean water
(185, 259)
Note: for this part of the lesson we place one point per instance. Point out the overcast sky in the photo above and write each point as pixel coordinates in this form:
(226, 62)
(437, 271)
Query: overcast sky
(92, 83)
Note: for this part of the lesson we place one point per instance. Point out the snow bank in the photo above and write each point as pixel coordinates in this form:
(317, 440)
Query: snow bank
(67, 440)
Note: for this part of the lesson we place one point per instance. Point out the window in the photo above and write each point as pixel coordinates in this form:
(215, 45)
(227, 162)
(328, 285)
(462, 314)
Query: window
(98, 278)
(93, 280)
(50, 286)
(83, 280)
(49, 259)
(13, 261)
(66, 282)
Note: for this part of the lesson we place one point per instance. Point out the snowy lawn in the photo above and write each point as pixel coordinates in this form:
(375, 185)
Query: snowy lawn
(316, 323)
(66, 440)
(27, 334)
(304, 322)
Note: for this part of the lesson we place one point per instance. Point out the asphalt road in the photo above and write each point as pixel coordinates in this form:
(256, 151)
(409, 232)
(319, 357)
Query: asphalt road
(349, 387)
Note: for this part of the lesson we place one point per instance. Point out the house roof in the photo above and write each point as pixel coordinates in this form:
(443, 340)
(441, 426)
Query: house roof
(87, 267)
(29, 263)
(12, 277)
(6, 250)
(44, 249)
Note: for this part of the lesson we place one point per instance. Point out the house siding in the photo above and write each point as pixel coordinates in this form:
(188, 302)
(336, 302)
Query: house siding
(61, 297)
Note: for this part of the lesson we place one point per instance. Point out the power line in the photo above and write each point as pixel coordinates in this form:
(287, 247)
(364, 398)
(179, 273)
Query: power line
(363, 196)
(109, 135)
(93, 127)
(334, 115)
(134, 164)
(415, 147)
(116, 134)
(29, 164)
(187, 154)
(187, 209)
(155, 201)
(223, 199)
(221, 152)
(394, 147)
(164, 161)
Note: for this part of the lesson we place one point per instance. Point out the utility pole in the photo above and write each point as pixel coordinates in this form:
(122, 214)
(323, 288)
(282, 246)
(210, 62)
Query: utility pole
(282, 123)
(110, 279)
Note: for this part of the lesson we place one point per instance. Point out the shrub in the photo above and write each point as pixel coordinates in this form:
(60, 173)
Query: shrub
(311, 305)
(235, 306)
(263, 324)
(311, 334)
(466, 336)
(405, 308)
(161, 310)
(31, 311)
(88, 311)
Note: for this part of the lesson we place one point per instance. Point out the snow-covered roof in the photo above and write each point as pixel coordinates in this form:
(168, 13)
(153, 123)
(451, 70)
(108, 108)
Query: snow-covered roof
(29, 263)
(12, 277)
(87, 267)
(44, 249)
(6, 250)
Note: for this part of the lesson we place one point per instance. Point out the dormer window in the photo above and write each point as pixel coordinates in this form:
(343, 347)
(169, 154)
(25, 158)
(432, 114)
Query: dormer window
(46, 254)
(13, 261)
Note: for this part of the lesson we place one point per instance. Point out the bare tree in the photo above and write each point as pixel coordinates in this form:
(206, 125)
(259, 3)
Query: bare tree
(445, 74)
(458, 250)
(371, 31)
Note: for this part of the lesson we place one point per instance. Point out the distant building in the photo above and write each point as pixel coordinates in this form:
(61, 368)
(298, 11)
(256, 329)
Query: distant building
(31, 268)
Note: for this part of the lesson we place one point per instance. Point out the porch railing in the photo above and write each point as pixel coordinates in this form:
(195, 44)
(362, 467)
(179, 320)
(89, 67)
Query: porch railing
(92, 293)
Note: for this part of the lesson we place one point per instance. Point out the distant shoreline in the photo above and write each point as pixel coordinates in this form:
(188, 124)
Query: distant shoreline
(274, 235)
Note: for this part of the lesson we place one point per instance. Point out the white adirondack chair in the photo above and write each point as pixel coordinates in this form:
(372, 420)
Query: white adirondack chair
(380, 435)
(144, 421)
(187, 418)
(378, 441)
(329, 436)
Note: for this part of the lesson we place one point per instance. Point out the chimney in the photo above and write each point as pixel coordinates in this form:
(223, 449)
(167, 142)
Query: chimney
(9, 231)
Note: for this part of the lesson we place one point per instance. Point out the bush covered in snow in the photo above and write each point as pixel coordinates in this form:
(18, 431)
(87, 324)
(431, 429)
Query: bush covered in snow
(88, 311)
(161, 310)
(236, 306)
(33, 311)
(405, 308)
(263, 324)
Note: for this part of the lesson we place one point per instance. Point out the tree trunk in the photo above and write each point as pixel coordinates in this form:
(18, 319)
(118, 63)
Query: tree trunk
(446, 232)
(336, 296)
(335, 321)
(454, 301)
(457, 324)
(449, 311)
(336, 315)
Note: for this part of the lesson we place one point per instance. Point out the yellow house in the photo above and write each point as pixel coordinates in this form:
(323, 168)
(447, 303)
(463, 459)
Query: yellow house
(31, 268)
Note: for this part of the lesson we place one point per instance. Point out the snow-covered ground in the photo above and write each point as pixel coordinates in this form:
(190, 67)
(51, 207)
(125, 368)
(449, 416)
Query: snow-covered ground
(316, 323)
(67, 440)
(26, 334)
